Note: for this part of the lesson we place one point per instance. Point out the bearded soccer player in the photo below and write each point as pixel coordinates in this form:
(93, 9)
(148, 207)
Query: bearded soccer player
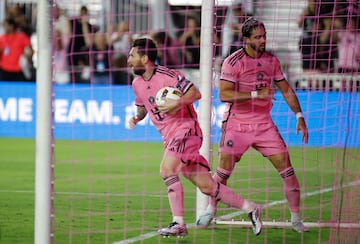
(247, 84)
(177, 122)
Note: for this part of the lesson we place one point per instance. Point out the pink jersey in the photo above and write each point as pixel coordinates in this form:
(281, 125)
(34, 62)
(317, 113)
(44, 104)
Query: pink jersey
(250, 74)
(145, 92)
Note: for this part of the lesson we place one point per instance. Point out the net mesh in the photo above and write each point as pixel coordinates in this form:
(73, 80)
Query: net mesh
(107, 187)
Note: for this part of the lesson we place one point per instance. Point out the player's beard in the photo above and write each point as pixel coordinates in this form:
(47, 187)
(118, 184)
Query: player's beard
(138, 70)
(259, 49)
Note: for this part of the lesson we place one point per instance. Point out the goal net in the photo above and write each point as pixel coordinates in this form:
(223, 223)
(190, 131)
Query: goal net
(106, 186)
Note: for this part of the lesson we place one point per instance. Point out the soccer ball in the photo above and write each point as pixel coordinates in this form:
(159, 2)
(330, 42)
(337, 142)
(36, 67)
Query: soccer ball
(167, 93)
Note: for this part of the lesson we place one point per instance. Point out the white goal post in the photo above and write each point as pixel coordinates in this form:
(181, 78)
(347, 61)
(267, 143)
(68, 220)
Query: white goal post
(205, 83)
(44, 139)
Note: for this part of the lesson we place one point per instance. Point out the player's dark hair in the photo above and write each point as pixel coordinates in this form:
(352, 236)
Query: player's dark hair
(146, 46)
(249, 25)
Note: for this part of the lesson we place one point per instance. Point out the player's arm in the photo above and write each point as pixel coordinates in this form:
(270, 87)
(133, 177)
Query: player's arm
(227, 93)
(140, 115)
(189, 97)
(293, 102)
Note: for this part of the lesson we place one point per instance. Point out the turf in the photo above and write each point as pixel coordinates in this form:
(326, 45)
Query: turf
(106, 192)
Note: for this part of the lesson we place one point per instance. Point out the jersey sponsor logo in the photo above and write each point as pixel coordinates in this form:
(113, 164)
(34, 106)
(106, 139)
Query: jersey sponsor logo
(159, 116)
(260, 86)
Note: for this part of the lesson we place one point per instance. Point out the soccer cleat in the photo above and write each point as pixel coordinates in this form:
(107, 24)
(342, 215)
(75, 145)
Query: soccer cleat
(206, 217)
(298, 226)
(255, 217)
(174, 229)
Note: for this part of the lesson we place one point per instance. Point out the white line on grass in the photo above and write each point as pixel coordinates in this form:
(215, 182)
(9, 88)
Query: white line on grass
(304, 195)
(229, 216)
(88, 193)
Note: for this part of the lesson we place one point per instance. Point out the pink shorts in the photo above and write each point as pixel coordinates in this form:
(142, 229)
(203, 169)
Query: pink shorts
(185, 144)
(237, 138)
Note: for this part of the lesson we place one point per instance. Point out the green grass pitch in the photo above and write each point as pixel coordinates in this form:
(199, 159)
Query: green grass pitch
(107, 192)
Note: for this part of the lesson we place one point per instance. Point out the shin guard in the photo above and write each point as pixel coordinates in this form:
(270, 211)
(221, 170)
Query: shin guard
(291, 189)
(175, 195)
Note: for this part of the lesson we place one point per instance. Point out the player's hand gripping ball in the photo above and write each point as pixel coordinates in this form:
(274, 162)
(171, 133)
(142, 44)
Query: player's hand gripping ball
(167, 93)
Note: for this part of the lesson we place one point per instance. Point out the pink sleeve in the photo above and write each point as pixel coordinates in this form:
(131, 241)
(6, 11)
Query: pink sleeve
(138, 101)
(279, 75)
(182, 82)
(227, 72)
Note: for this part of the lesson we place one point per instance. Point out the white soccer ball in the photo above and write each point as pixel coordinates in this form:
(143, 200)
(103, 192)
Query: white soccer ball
(167, 93)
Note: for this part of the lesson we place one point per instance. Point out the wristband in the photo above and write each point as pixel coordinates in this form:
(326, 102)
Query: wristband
(254, 94)
(299, 115)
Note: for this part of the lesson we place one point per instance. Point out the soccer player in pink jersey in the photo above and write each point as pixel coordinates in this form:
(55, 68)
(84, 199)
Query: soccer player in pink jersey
(178, 125)
(247, 81)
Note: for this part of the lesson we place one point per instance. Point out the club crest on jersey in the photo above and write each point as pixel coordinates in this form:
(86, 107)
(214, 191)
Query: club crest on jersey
(230, 143)
(260, 76)
(151, 99)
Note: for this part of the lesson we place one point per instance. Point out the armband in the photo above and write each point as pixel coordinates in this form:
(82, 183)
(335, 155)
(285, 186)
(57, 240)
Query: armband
(254, 94)
(299, 115)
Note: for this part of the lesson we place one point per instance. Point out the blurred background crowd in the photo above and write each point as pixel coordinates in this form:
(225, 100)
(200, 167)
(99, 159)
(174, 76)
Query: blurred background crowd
(92, 50)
